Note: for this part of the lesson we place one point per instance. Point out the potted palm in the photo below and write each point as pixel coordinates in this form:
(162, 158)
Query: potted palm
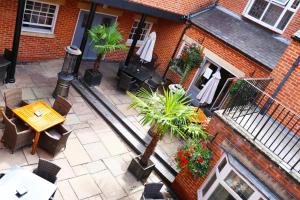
(104, 39)
(168, 113)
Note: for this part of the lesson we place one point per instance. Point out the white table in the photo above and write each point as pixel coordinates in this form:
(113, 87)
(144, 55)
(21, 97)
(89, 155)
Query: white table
(38, 188)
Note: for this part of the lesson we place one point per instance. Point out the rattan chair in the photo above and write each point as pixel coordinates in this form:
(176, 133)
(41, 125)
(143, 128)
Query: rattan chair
(13, 99)
(54, 139)
(47, 170)
(62, 105)
(16, 134)
(152, 191)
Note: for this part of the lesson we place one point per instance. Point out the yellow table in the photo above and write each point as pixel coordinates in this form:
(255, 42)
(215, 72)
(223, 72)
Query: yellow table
(48, 118)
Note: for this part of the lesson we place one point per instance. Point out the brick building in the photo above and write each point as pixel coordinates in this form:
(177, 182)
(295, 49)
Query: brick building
(242, 38)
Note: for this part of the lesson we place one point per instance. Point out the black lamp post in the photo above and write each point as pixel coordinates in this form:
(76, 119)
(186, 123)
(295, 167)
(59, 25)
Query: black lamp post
(67, 72)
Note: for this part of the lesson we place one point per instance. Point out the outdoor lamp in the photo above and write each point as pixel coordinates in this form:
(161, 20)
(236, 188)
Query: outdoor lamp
(65, 76)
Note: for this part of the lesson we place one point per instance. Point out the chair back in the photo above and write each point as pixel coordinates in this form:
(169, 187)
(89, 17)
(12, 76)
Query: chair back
(47, 170)
(9, 125)
(62, 105)
(152, 190)
(125, 81)
(13, 97)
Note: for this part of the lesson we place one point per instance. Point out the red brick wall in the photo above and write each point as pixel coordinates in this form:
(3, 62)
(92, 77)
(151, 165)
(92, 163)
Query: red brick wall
(38, 48)
(290, 93)
(8, 11)
(186, 187)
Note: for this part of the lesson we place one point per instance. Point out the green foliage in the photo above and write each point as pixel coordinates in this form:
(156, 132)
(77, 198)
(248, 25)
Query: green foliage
(106, 39)
(193, 158)
(190, 58)
(169, 113)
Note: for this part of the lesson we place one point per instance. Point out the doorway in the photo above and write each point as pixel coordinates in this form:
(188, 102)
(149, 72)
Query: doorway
(202, 76)
(99, 18)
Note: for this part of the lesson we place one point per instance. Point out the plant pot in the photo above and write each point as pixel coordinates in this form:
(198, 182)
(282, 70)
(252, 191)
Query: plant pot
(140, 172)
(92, 77)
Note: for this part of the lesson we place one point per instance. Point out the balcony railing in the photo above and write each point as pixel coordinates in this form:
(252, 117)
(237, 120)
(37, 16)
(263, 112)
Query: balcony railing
(264, 121)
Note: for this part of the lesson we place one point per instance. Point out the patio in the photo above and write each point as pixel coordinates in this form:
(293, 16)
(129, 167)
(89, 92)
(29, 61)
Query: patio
(95, 161)
(108, 87)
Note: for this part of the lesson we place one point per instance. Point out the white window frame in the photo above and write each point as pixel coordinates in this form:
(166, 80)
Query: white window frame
(139, 42)
(274, 28)
(220, 179)
(37, 30)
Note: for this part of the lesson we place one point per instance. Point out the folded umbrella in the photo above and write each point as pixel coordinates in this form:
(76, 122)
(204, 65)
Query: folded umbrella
(146, 50)
(207, 93)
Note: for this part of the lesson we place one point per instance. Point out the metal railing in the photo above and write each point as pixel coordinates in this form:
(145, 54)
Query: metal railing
(266, 121)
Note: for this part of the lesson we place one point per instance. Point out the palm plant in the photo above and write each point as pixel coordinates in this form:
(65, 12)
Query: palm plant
(105, 39)
(167, 113)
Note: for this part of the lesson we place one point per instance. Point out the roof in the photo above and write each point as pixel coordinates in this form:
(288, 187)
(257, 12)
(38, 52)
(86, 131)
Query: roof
(182, 7)
(147, 9)
(250, 39)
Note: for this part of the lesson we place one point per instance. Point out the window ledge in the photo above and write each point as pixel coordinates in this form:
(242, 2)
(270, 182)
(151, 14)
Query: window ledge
(138, 44)
(37, 34)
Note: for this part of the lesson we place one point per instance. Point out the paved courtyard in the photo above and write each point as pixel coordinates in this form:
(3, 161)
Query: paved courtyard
(95, 160)
(121, 100)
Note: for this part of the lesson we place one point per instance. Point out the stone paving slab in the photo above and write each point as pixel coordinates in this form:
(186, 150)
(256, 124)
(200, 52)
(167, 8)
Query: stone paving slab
(93, 165)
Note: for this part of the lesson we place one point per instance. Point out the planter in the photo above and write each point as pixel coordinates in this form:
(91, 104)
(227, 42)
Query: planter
(92, 77)
(140, 172)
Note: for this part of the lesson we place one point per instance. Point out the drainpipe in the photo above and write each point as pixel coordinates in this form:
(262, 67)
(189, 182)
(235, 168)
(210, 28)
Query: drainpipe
(188, 25)
(279, 87)
(15, 48)
(84, 40)
(137, 34)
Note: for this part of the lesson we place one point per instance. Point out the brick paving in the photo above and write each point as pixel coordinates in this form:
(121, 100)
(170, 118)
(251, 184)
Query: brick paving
(94, 163)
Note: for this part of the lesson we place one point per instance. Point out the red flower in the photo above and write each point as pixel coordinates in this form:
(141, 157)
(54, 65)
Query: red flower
(204, 147)
(179, 154)
(183, 160)
(200, 160)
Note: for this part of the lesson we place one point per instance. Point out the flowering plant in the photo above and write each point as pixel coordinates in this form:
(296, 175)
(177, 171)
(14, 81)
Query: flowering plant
(191, 57)
(193, 157)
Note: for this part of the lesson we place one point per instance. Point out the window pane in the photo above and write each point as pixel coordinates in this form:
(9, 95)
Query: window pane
(209, 184)
(222, 164)
(37, 6)
(26, 18)
(239, 185)
(285, 19)
(258, 8)
(45, 8)
(221, 193)
(272, 14)
(34, 19)
(296, 4)
(282, 2)
(49, 21)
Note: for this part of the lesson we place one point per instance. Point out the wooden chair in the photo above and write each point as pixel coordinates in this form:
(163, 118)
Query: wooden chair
(126, 82)
(13, 99)
(16, 133)
(54, 139)
(47, 170)
(62, 105)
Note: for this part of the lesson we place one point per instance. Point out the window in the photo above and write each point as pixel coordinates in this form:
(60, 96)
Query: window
(39, 17)
(226, 183)
(273, 14)
(145, 32)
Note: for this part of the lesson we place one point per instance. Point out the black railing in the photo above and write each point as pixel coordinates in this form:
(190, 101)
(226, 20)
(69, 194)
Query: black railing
(265, 121)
